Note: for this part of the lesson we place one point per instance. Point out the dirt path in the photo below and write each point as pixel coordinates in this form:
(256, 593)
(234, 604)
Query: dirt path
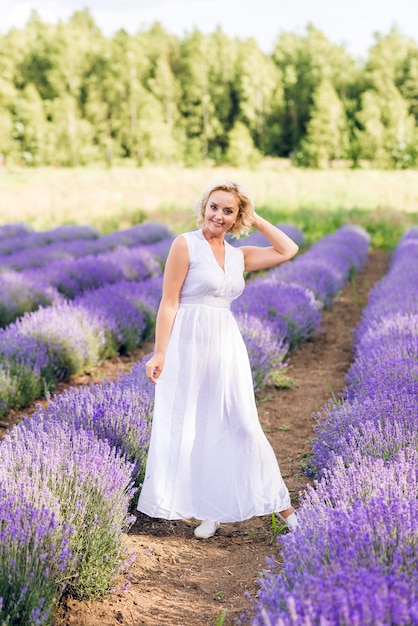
(177, 580)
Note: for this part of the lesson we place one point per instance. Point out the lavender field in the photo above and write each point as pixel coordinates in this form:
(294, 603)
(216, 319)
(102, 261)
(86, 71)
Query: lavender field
(70, 474)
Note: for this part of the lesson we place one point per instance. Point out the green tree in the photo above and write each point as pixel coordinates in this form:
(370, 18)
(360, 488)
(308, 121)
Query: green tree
(407, 78)
(305, 62)
(241, 151)
(326, 136)
(30, 127)
(387, 132)
(200, 121)
(260, 96)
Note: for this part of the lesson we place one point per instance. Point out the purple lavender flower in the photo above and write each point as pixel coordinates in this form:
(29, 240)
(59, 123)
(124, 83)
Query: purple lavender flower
(85, 482)
(290, 309)
(47, 346)
(355, 567)
(19, 295)
(13, 230)
(71, 243)
(378, 427)
(352, 559)
(146, 233)
(293, 232)
(322, 277)
(257, 239)
(35, 553)
(362, 478)
(124, 322)
(266, 350)
(118, 412)
(37, 239)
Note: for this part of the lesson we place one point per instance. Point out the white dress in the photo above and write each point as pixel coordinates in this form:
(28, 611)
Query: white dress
(209, 457)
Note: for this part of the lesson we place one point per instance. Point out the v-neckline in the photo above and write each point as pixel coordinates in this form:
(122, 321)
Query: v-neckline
(213, 254)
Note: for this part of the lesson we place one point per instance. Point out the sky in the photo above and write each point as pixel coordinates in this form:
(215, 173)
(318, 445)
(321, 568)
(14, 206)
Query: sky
(352, 23)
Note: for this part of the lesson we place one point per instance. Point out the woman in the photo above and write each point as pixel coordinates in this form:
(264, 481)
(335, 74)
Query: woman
(209, 458)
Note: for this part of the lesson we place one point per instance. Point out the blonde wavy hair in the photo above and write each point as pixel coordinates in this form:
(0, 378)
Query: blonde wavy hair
(245, 217)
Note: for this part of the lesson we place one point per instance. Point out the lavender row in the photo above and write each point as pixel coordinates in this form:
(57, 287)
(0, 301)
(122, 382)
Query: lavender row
(257, 239)
(67, 484)
(18, 236)
(353, 560)
(281, 309)
(140, 253)
(17, 229)
(20, 249)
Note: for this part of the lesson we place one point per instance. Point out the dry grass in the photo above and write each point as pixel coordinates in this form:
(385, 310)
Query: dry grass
(121, 196)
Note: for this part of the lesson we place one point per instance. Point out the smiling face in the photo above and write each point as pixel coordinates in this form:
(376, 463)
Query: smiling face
(221, 212)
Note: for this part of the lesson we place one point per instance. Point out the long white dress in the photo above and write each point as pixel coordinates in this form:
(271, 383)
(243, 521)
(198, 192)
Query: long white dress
(209, 457)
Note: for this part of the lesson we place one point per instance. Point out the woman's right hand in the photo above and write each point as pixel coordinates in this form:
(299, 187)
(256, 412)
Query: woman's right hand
(154, 367)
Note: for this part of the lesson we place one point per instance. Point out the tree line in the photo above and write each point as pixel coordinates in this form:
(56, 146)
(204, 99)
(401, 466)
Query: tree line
(71, 96)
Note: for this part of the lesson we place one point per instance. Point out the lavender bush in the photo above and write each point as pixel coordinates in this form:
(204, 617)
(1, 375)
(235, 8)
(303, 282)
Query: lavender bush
(126, 309)
(290, 310)
(84, 482)
(386, 356)
(293, 294)
(35, 555)
(33, 239)
(50, 344)
(124, 322)
(25, 367)
(47, 346)
(257, 239)
(43, 248)
(362, 478)
(329, 263)
(19, 294)
(71, 278)
(17, 229)
(346, 568)
(378, 427)
(118, 412)
(266, 350)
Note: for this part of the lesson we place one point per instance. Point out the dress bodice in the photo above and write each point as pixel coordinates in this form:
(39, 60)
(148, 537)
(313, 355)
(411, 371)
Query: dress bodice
(206, 282)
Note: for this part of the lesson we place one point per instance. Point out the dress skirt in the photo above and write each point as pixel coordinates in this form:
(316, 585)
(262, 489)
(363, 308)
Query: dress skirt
(209, 457)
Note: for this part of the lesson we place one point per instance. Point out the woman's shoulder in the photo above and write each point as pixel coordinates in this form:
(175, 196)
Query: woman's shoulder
(192, 237)
(191, 234)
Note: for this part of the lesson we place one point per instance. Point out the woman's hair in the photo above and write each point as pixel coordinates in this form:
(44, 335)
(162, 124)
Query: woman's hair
(245, 206)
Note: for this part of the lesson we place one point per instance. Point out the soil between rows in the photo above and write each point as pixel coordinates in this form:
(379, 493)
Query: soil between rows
(177, 580)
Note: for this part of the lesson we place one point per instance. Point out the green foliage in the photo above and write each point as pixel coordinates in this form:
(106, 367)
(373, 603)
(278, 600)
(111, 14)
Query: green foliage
(275, 526)
(98, 548)
(221, 617)
(71, 96)
(241, 151)
(326, 136)
(384, 227)
(18, 387)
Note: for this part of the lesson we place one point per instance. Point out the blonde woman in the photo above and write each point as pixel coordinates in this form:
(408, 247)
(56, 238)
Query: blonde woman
(209, 458)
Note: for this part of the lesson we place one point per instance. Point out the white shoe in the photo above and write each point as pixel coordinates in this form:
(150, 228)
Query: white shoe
(291, 520)
(206, 529)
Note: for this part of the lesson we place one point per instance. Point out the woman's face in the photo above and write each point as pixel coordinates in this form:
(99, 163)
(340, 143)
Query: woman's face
(221, 211)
